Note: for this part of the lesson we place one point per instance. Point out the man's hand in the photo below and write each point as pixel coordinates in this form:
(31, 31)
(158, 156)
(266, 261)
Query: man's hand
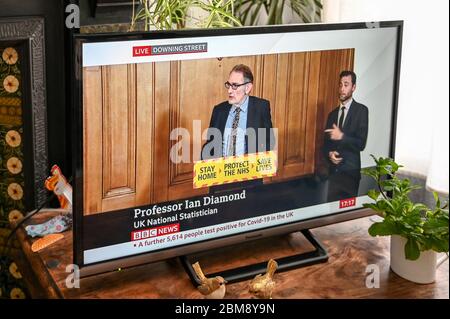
(335, 133)
(334, 157)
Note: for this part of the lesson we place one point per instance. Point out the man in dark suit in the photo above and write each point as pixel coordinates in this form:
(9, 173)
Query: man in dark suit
(345, 137)
(242, 124)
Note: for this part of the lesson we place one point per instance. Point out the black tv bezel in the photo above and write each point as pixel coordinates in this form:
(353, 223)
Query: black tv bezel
(78, 39)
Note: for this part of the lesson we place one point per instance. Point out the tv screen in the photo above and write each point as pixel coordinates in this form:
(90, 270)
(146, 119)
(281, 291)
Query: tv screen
(190, 140)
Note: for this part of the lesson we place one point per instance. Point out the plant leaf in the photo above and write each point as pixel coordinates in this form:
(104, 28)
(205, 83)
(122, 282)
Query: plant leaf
(412, 251)
(436, 199)
(383, 228)
(373, 194)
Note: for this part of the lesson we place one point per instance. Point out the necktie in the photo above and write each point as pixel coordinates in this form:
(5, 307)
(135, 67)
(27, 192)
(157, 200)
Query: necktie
(234, 128)
(341, 119)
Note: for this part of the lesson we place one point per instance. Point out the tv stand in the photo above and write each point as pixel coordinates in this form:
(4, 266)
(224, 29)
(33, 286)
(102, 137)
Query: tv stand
(319, 255)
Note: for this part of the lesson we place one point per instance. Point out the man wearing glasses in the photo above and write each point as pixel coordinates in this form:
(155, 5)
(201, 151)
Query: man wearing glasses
(242, 124)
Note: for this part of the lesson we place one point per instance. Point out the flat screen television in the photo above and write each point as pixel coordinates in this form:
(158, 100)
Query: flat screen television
(190, 140)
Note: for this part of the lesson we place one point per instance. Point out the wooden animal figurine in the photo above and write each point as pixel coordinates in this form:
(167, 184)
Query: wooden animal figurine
(262, 285)
(211, 288)
(59, 185)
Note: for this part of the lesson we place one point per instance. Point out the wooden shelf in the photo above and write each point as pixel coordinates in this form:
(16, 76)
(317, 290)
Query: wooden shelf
(349, 246)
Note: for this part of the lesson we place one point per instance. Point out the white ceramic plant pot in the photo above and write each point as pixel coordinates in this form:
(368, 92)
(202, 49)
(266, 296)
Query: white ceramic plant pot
(422, 270)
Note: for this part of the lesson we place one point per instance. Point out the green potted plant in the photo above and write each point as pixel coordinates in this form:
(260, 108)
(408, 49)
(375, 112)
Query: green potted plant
(173, 14)
(271, 12)
(180, 14)
(417, 232)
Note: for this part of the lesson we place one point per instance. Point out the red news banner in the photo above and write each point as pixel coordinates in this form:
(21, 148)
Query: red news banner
(166, 49)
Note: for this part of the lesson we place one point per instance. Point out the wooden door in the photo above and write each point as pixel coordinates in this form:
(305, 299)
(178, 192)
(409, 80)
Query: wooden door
(118, 119)
(295, 110)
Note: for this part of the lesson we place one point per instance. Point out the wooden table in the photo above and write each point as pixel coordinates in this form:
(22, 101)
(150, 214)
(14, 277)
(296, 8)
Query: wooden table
(350, 248)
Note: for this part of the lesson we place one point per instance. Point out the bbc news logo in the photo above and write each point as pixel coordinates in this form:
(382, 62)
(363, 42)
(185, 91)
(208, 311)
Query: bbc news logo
(346, 203)
(155, 232)
(148, 50)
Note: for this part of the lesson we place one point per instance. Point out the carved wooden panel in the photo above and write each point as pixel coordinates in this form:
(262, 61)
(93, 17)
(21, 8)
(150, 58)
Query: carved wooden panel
(145, 133)
(118, 123)
(119, 130)
(92, 140)
(296, 101)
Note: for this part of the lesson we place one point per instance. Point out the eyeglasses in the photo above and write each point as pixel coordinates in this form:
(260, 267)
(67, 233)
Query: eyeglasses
(234, 86)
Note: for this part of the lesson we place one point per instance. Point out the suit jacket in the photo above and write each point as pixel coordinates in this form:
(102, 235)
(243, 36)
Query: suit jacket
(355, 131)
(258, 117)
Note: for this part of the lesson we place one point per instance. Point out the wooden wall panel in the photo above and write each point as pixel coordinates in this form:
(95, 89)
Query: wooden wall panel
(268, 78)
(92, 139)
(145, 135)
(161, 89)
(119, 130)
(295, 110)
(119, 136)
(296, 102)
(268, 91)
(311, 112)
(118, 121)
